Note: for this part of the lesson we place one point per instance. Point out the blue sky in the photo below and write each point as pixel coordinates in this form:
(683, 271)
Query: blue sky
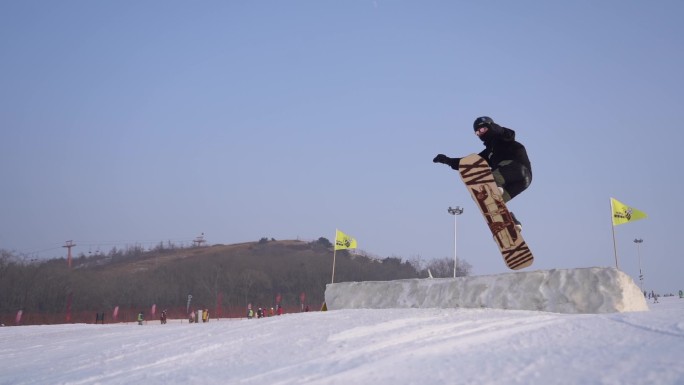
(139, 122)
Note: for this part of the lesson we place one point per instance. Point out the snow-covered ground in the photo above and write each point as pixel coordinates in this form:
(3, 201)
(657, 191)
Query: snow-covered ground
(360, 346)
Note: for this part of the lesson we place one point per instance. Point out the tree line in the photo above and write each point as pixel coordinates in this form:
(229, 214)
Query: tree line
(227, 277)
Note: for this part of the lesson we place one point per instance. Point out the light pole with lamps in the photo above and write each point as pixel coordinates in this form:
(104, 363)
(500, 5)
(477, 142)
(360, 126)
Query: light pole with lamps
(641, 276)
(455, 212)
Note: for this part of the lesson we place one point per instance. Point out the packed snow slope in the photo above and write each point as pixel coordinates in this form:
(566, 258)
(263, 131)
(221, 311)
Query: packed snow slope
(589, 290)
(360, 346)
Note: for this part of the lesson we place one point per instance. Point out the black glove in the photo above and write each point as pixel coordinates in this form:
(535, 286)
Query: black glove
(441, 158)
(452, 162)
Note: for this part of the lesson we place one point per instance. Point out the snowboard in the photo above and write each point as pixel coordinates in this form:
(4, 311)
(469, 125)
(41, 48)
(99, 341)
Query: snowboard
(479, 181)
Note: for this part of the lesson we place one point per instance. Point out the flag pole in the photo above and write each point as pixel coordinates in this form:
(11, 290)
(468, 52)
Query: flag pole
(615, 247)
(612, 227)
(332, 280)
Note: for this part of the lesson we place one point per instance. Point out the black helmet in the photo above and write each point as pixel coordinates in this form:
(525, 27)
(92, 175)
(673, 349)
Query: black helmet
(482, 121)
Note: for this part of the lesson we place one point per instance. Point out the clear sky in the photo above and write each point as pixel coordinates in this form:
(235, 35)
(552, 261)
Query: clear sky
(127, 122)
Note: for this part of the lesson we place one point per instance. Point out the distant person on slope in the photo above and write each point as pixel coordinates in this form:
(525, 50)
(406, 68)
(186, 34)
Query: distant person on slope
(506, 157)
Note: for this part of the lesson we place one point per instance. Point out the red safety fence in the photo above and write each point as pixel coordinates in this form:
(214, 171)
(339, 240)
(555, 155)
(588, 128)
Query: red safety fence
(130, 315)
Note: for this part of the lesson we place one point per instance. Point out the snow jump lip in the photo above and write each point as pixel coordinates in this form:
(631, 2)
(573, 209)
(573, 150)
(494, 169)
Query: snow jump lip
(585, 290)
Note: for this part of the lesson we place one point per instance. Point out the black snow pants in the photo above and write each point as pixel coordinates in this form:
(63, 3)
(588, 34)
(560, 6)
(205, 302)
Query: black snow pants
(513, 177)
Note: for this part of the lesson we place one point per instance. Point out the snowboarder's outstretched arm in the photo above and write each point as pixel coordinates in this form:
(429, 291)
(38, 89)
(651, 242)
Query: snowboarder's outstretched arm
(489, 132)
(452, 162)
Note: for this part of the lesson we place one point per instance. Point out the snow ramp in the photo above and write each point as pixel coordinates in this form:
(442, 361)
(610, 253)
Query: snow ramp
(586, 290)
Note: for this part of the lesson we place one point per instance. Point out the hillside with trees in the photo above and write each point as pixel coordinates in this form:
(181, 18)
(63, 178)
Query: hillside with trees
(221, 278)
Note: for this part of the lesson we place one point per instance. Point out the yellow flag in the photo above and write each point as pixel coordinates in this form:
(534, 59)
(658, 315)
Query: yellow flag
(344, 241)
(623, 213)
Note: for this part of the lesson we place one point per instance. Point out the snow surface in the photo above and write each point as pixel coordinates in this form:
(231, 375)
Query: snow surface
(588, 290)
(360, 346)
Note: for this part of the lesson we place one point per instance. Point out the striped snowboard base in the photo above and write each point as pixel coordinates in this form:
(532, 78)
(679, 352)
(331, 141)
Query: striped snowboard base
(478, 178)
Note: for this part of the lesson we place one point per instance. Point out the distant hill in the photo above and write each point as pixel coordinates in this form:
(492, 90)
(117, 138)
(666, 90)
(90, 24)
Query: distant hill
(218, 276)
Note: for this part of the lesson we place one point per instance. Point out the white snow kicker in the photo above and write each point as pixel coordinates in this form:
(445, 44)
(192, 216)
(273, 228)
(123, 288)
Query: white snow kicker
(587, 290)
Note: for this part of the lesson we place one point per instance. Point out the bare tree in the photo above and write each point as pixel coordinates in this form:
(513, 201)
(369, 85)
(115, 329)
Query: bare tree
(444, 268)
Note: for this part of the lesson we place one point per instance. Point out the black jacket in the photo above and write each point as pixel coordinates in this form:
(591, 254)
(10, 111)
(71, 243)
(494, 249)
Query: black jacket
(501, 145)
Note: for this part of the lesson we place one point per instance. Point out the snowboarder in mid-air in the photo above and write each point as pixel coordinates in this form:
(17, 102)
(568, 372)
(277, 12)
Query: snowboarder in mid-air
(505, 156)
